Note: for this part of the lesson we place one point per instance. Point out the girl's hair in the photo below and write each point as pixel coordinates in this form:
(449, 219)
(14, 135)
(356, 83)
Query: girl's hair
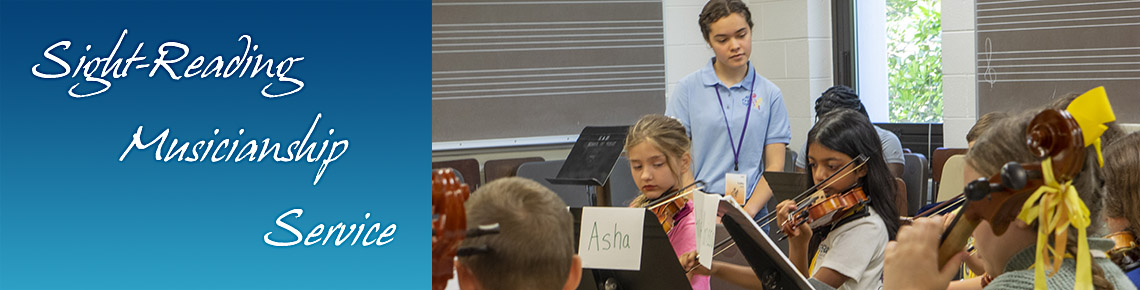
(838, 97)
(667, 135)
(1122, 179)
(1004, 141)
(851, 133)
(984, 122)
(716, 9)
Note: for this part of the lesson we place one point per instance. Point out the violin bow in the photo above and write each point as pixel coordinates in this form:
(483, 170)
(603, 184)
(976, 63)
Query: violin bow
(696, 185)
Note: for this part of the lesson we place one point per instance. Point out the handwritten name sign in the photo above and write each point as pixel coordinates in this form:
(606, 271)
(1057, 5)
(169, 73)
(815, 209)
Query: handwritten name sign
(611, 237)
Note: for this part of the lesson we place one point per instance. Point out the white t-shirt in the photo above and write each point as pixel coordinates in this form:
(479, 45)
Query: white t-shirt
(892, 149)
(855, 250)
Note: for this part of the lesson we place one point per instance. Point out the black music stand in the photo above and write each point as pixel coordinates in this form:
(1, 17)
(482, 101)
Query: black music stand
(769, 264)
(787, 185)
(591, 160)
(660, 268)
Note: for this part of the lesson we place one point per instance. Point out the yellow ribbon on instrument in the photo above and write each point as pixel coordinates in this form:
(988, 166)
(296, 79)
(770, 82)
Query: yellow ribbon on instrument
(1092, 111)
(1055, 207)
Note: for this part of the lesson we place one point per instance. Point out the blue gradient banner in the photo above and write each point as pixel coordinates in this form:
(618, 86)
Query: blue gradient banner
(269, 120)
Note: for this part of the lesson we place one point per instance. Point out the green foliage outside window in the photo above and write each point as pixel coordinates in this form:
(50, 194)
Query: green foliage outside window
(914, 48)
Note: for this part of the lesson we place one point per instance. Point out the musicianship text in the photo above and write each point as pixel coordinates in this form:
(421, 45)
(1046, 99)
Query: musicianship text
(202, 150)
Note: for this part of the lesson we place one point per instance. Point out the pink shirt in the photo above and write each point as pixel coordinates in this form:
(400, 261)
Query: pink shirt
(683, 236)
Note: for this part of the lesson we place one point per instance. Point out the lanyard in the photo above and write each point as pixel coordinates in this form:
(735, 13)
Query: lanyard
(740, 145)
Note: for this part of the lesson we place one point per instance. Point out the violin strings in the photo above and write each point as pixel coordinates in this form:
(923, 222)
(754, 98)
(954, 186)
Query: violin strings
(679, 195)
(950, 203)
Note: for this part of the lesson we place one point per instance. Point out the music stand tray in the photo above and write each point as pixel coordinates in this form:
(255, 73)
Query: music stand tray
(766, 260)
(660, 268)
(593, 156)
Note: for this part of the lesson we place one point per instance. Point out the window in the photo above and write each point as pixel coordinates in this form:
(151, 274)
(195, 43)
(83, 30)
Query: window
(897, 68)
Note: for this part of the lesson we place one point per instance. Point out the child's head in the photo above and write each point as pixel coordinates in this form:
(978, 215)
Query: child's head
(838, 97)
(984, 122)
(727, 27)
(535, 246)
(840, 136)
(658, 151)
(1005, 141)
(1122, 182)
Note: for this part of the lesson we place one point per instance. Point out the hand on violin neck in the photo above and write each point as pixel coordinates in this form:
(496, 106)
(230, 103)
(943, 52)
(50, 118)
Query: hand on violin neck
(690, 263)
(783, 209)
(911, 260)
(790, 225)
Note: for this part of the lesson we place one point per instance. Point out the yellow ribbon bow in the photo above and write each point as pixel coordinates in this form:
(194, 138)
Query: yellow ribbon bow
(1055, 206)
(1092, 111)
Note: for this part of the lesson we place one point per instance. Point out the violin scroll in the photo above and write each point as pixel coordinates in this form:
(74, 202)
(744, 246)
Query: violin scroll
(449, 223)
(1054, 133)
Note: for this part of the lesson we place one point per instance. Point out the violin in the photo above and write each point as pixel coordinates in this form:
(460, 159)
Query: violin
(999, 198)
(823, 211)
(1125, 253)
(667, 206)
(819, 209)
(448, 225)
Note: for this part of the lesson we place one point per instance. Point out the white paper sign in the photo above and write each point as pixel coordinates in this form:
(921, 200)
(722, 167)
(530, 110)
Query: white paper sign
(734, 186)
(705, 208)
(611, 238)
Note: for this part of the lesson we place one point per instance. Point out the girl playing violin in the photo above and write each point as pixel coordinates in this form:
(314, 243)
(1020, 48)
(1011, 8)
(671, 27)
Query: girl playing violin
(849, 251)
(1122, 201)
(658, 151)
(1011, 258)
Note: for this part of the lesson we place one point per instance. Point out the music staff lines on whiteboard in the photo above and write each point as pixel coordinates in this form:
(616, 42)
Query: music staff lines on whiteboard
(1066, 72)
(1058, 12)
(1053, 6)
(1065, 50)
(1057, 27)
(1066, 64)
(1066, 57)
(1060, 20)
(1066, 79)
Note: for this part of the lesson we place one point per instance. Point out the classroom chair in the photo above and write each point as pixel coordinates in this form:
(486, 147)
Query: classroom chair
(499, 168)
(469, 168)
(916, 176)
(573, 195)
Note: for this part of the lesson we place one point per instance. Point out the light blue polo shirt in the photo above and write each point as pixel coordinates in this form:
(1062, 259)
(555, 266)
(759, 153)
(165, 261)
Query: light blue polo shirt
(694, 102)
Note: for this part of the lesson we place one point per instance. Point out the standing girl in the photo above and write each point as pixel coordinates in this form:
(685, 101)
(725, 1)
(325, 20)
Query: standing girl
(737, 117)
(658, 151)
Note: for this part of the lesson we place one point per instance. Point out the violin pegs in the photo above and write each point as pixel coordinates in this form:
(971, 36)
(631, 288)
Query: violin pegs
(978, 189)
(1013, 176)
